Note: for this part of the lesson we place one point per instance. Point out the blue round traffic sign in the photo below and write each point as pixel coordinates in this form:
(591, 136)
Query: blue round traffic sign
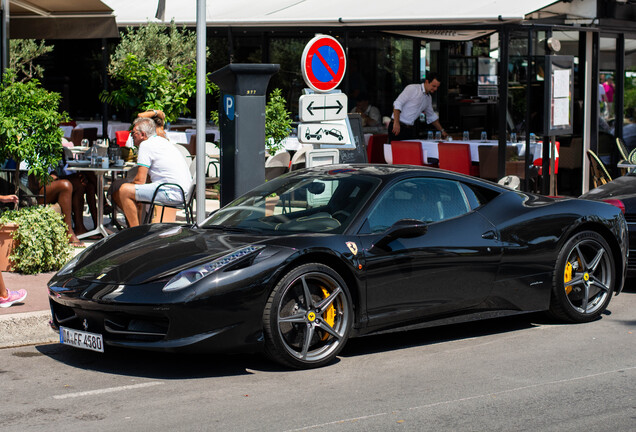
(323, 63)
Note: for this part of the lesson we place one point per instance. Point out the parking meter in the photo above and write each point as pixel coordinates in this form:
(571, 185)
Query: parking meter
(242, 126)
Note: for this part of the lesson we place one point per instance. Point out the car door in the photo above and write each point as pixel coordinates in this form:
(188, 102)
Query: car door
(450, 267)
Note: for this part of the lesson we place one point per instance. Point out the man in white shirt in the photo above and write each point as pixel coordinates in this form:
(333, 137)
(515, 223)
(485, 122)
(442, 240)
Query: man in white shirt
(161, 160)
(414, 99)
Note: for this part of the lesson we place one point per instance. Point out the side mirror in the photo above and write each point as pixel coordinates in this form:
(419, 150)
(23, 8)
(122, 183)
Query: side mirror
(404, 228)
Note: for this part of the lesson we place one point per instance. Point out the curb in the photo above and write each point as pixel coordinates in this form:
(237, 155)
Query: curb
(28, 328)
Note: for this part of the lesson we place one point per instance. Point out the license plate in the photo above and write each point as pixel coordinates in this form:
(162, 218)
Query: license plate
(81, 339)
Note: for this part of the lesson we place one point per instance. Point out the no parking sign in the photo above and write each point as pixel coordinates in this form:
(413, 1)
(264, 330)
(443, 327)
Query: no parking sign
(323, 63)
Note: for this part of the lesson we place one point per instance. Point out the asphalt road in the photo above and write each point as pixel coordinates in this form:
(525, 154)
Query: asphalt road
(524, 373)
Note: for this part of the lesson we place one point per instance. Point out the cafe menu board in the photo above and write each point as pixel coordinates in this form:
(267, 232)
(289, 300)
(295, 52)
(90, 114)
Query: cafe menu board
(559, 88)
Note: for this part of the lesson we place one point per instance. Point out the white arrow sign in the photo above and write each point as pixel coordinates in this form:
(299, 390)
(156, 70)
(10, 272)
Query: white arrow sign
(321, 107)
(323, 133)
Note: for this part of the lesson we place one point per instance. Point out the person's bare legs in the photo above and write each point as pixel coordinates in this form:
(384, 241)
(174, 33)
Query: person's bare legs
(91, 195)
(125, 199)
(61, 192)
(79, 188)
(3, 289)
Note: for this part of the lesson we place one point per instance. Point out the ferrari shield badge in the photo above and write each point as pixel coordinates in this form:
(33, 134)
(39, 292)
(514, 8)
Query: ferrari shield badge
(352, 247)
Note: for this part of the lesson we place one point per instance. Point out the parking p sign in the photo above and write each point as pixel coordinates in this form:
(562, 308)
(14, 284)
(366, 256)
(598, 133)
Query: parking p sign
(323, 63)
(228, 106)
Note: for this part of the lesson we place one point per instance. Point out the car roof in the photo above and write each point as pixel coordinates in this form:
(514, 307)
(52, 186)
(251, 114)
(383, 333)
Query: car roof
(387, 172)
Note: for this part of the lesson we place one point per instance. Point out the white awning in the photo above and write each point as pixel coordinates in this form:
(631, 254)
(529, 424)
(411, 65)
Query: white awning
(335, 13)
(61, 19)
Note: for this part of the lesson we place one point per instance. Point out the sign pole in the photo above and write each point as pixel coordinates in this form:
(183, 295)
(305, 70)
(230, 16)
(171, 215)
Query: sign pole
(201, 115)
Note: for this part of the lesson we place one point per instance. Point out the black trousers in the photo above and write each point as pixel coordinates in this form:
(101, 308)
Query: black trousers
(407, 132)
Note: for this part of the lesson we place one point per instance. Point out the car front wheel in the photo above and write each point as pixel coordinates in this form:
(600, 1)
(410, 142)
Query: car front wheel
(308, 317)
(584, 278)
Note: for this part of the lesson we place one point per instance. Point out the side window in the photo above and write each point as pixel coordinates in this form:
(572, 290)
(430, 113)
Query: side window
(478, 196)
(424, 199)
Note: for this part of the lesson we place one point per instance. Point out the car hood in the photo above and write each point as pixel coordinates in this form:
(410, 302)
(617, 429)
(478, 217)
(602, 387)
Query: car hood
(619, 188)
(149, 253)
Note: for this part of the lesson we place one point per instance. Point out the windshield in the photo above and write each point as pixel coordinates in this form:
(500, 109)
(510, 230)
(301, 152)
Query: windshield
(298, 203)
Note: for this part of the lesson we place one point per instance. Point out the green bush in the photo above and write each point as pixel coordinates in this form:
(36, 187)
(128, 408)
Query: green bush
(41, 240)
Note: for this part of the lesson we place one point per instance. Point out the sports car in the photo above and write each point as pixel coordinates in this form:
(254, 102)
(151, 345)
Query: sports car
(302, 263)
(621, 192)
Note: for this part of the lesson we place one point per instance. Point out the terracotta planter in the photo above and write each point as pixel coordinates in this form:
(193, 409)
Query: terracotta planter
(6, 245)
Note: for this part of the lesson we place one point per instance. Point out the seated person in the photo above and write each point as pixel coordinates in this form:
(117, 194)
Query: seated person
(84, 184)
(370, 115)
(158, 117)
(161, 160)
(58, 191)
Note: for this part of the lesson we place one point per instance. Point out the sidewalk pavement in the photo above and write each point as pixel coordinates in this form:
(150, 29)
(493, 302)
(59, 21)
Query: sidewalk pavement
(27, 323)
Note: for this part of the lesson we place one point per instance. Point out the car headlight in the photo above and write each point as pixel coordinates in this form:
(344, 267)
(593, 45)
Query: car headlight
(191, 275)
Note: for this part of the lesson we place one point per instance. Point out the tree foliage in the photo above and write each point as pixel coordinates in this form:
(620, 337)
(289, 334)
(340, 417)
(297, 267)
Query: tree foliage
(154, 67)
(29, 125)
(277, 121)
(22, 55)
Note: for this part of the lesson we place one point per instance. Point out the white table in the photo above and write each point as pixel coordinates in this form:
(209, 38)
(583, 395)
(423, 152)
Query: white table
(183, 137)
(177, 137)
(99, 173)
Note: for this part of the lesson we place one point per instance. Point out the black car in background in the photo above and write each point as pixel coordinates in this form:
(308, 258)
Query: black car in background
(302, 263)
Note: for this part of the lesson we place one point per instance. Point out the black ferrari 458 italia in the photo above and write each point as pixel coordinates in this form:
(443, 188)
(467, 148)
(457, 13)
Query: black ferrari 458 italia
(302, 263)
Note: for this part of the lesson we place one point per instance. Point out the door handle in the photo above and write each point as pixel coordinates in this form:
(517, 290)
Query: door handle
(489, 235)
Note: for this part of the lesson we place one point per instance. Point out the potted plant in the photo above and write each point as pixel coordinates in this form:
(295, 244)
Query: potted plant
(29, 132)
(39, 240)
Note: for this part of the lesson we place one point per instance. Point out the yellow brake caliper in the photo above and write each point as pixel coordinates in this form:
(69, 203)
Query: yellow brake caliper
(330, 314)
(567, 277)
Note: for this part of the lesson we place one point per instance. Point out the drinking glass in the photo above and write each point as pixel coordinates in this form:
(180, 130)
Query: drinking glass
(99, 142)
(466, 136)
(513, 137)
(84, 142)
(438, 136)
(429, 136)
(484, 136)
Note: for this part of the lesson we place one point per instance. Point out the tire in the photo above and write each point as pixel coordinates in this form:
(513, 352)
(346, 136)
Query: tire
(584, 279)
(302, 335)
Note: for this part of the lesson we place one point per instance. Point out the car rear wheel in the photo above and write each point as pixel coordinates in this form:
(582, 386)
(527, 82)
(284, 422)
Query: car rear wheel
(584, 278)
(308, 317)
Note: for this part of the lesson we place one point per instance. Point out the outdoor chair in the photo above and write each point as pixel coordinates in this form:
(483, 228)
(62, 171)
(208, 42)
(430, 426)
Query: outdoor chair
(622, 149)
(277, 165)
(91, 135)
(623, 153)
(77, 135)
(407, 153)
(121, 137)
(599, 173)
(299, 160)
(184, 204)
(456, 157)
(488, 162)
(375, 148)
(213, 158)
